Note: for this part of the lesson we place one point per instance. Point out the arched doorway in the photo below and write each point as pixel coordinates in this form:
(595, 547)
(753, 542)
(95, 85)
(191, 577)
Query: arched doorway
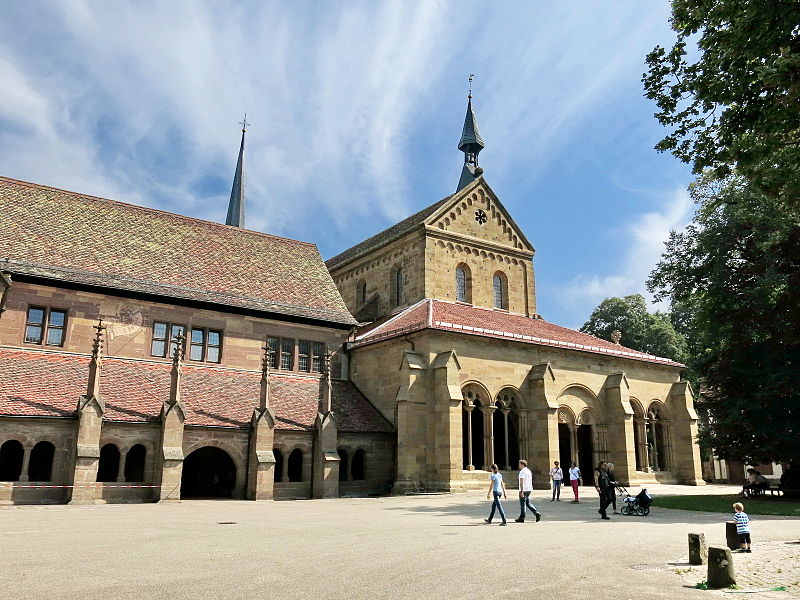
(505, 428)
(585, 443)
(473, 429)
(208, 472)
(639, 436)
(566, 425)
(658, 438)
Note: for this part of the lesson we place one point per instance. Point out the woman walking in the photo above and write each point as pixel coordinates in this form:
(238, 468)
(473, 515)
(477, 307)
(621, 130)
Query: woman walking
(574, 480)
(497, 487)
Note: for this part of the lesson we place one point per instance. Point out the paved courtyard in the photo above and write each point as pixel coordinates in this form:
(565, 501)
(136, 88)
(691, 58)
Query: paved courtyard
(396, 547)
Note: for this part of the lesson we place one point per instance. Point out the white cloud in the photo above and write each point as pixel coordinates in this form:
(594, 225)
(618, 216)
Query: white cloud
(645, 235)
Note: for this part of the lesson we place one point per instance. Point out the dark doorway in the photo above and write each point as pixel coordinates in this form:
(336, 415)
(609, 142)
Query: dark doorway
(108, 467)
(465, 454)
(208, 473)
(499, 433)
(513, 440)
(295, 465)
(358, 466)
(278, 464)
(585, 451)
(40, 467)
(342, 464)
(478, 455)
(134, 463)
(564, 447)
(11, 454)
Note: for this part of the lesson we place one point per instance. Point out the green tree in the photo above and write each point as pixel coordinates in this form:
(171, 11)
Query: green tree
(734, 101)
(734, 279)
(641, 330)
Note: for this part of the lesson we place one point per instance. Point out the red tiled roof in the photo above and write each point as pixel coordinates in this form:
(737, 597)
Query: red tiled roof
(48, 384)
(73, 237)
(486, 322)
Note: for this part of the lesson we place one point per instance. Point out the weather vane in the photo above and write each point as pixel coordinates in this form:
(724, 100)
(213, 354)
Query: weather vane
(471, 76)
(244, 123)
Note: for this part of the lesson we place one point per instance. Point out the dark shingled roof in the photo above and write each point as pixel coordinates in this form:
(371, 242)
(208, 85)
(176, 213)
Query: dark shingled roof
(36, 383)
(72, 237)
(387, 235)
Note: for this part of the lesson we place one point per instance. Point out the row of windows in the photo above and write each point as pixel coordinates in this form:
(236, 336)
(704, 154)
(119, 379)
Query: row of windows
(309, 354)
(349, 470)
(204, 345)
(40, 463)
(46, 326)
(463, 288)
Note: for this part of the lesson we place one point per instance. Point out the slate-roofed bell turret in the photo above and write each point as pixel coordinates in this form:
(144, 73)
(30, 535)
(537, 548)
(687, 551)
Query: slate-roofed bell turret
(471, 144)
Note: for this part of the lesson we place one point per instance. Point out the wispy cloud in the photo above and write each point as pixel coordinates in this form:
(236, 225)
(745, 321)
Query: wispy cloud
(643, 245)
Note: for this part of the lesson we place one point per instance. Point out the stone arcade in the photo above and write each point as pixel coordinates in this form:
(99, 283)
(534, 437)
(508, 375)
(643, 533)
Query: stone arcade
(143, 348)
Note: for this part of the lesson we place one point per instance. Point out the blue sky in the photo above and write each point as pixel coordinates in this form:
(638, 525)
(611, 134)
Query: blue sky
(357, 108)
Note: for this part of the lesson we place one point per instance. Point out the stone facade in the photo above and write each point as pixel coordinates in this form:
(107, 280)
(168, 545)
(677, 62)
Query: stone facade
(453, 396)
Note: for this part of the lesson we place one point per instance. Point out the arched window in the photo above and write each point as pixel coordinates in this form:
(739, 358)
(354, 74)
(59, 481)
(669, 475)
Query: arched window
(342, 464)
(361, 292)
(463, 284)
(108, 467)
(500, 290)
(357, 466)
(278, 464)
(134, 463)
(11, 454)
(397, 286)
(40, 466)
(295, 465)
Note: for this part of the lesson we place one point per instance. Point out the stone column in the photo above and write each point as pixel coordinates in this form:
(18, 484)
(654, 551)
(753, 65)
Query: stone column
(90, 422)
(26, 461)
(488, 435)
(506, 411)
(524, 421)
(261, 460)
(542, 400)
(447, 406)
(469, 407)
(169, 466)
(412, 438)
(325, 478)
(123, 458)
(619, 443)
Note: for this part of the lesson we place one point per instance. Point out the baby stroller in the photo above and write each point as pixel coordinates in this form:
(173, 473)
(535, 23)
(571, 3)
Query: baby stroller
(635, 505)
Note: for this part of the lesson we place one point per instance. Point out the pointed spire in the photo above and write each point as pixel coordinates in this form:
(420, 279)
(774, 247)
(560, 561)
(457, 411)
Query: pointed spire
(96, 362)
(326, 398)
(263, 402)
(236, 204)
(471, 143)
(177, 368)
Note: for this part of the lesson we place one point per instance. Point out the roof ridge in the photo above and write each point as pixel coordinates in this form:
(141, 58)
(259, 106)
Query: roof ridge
(150, 209)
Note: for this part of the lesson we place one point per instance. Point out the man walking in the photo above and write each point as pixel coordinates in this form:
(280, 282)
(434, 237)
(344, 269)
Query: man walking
(525, 489)
(603, 486)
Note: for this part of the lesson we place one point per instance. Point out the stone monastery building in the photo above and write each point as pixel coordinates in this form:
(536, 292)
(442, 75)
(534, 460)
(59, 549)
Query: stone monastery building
(149, 356)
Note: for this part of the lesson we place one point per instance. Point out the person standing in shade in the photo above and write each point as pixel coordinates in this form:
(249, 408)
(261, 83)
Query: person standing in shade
(575, 480)
(603, 486)
(525, 489)
(497, 487)
(557, 477)
(613, 492)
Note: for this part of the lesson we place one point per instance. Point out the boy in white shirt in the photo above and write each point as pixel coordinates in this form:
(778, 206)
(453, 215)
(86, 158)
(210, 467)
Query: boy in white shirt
(525, 489)
(557, 475)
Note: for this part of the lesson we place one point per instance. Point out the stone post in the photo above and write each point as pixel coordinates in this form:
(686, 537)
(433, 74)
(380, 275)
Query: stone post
(544, 439)
(683, 428)
(620, 439)
(698, 551)
(261, 460)
(731, 535)
(90, 422)
(411, 406)
(447, 407)
(325, 481)
(169, 466)
(506, 411)
(720, 568)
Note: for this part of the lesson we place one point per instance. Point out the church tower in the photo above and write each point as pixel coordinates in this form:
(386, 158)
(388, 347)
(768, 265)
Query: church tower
(236, 205)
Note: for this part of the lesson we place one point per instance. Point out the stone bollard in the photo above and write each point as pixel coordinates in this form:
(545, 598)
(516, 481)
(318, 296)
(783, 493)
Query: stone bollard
(698, 551)
(731, 537)
(720, 568)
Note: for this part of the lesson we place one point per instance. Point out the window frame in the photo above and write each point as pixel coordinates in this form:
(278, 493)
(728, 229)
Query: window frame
(168, 339)
(304, 356)
(502, 279)
(317, 356)
(45, 326)
(205, 344)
